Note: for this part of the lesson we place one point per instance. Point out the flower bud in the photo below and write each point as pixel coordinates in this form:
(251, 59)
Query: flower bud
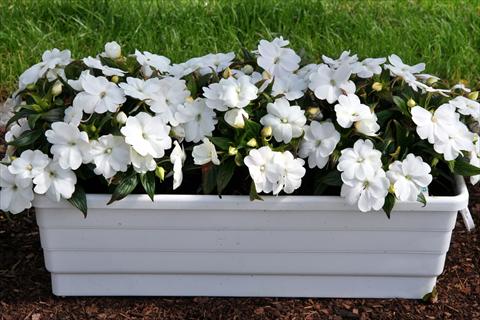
(121, 117)
(314, 113)
(252, 143)
(236, 117)
(227, 73)
(115, 79)
(232, 151)
(431, 81)
(377, 86)
(113, 50)
(473, 95)
(411, 103)
(160, 173)
(247, 69)
(266, 132)
(57, 88)
(266, 75)
(189, 99)
(31, 86)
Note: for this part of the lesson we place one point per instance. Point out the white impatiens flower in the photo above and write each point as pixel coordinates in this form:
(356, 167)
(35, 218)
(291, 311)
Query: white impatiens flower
(318, 143)
(77, 84)
(236, 117)
(369, 67)
(360, 162)
(291, 86)
(349, 110)
(399, 69)
(345, 59)
(230, 93)
(172, 93)
(177, 158)
(409, 177)
(73, 115)
(475, 160)
(112, 50)
(70, 146)
(16, 194)
(275, 58)
(459, 139)
(434, 127)
(110, 154)
(142, 164)
(215, 62)
(205, 153)
(197, 120)
(288, 170)
(52, 65)
(99, 95)
(29, 164)
(140, 89)
(368, 126)
(151, 62)
(368, 193)
(328, 84)
(147, 135)
(6, 111)
(286, 121)
(467, 106)
(55, 182)
(16, 130)
(95, 63)
(257, 162)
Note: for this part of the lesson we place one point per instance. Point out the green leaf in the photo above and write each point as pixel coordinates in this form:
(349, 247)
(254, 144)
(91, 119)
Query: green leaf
(332, 178)
(421, 198)
(22, 113)
(148, 183)
(54, 115)
(389, 204)
(401, 104)
(209, 178)
(221, 142)
(253, 193)
(225, 174)
(431, 297)
(79, 199)
(27, 138)
(127, 184)
(463, 168)
(32, 119)
(252, 130)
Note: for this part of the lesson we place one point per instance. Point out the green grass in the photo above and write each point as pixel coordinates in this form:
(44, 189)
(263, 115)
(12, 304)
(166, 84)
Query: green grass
(444, 34)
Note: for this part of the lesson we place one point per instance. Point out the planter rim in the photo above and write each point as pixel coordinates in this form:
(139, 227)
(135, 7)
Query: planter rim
(269, 203)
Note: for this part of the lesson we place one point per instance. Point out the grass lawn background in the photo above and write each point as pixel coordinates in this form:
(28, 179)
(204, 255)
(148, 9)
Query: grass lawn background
(444, 34)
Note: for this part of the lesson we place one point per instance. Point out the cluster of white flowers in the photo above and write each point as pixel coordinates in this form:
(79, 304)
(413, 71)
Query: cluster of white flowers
(268, 116)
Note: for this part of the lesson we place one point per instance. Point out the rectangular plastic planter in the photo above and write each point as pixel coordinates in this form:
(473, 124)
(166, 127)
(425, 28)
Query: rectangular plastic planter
(292, 246)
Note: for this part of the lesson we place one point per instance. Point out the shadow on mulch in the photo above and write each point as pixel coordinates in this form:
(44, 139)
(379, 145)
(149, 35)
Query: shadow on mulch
(25, 290)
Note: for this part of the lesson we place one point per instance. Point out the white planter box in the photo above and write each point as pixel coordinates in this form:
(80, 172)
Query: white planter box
(292, 246)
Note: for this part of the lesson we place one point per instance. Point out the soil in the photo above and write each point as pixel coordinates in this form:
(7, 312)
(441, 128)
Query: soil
(25, 289)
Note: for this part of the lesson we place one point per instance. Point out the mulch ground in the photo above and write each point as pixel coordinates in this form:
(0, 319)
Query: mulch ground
(25, 290)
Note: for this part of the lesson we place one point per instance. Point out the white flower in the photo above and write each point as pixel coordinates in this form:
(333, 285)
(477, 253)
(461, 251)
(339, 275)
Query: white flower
(216, 62)
(197, 119)
(113, 50)
(305, 71)
(434, 127)
(328, 84)
(291, 86)
(16, 193)
(95, 63)
(70, 146)
(368, 193)
(257, 162)
(459, 139)
(399, 69)
(147, 135)
(467, 106)
(142, 164)
(52, 64)
(73, 115)
(230, 93)
(236, 117)
(345, 59)
(318, 143)
(99, 96)
(275, 59)
(349, 110)
(77, 84)
(56, 182)
(6, 111)
(177, 158)
(475, 160)
(150, 62)
(172, 93)
(369, 67)
(29, 164)
(409, 176)
(462, 87)
(360, 162)
(289, 171)
(110, 154)
(204, 153)
(16, 130)
(286, 121)
(368, 125)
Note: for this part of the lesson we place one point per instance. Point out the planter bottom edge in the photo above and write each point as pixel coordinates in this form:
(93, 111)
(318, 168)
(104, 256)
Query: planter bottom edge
(64, 284)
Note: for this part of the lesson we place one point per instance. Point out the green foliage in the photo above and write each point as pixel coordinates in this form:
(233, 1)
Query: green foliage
(126, 185)
(79, 199)
(148, 183)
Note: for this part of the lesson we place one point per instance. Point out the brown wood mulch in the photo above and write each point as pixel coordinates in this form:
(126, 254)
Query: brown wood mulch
(25, 290)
